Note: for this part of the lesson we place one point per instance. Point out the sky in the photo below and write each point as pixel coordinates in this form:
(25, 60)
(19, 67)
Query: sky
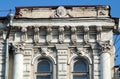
(6, 5)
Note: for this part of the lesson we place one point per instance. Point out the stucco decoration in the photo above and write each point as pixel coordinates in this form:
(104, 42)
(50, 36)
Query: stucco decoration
(38, 56)
(61, 12)
(61, 34)
(81, 56)
(73, 36)
(79, 53)
(24, 34)
(36, 34)
(18, 48)
(104, 46)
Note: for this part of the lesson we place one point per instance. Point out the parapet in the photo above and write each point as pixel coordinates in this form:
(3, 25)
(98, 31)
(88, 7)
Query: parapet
(62, 11)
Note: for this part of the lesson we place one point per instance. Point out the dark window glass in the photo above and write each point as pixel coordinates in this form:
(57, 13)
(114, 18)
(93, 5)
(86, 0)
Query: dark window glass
(44, 70)
(80, 69)
(43, 66)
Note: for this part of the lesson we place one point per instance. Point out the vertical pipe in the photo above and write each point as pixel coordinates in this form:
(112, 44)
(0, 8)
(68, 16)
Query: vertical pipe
(10, 18)
(6, 58)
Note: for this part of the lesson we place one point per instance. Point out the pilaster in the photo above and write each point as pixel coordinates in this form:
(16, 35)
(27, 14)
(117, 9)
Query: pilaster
(62, 61)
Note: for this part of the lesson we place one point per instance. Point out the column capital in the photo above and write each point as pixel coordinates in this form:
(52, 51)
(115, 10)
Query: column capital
(18, 48)
(104, 46)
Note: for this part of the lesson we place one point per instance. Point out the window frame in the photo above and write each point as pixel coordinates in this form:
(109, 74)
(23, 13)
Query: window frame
(77, 73)
(44, 73)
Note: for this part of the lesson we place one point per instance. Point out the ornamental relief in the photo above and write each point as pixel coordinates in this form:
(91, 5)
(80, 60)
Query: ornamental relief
(60, 12)
(44, 51)
(66, 34)
(80, 51)
(105, 46)
(18, 48)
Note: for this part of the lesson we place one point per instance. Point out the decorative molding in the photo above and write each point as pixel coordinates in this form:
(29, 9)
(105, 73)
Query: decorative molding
(80, 52)
(44, 51)
(73, 36)
(99, 29)
(18, 48)
(61, 34)
(83, 56)
(36, 34)
(49, 35)
(104, 46)
(86, 35)
(24, 34)
(35, 58)
(60, 12)
(61, 46)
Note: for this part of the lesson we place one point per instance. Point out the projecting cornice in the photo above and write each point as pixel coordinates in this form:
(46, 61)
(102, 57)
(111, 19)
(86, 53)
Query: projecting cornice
(64, 22)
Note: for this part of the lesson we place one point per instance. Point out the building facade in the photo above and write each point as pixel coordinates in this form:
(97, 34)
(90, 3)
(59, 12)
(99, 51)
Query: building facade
(117, 72)
(59, 42)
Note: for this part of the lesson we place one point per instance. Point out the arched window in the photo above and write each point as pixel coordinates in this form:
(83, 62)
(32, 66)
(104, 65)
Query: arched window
(80, 69)
(44, 69)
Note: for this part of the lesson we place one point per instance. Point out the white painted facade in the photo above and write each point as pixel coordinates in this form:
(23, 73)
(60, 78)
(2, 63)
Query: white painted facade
(62, 36)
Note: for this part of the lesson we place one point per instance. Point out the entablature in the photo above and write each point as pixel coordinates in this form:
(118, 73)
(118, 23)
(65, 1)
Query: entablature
(106, 22)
